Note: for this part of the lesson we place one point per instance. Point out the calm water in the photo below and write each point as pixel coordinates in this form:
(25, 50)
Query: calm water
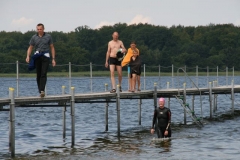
(39, 130)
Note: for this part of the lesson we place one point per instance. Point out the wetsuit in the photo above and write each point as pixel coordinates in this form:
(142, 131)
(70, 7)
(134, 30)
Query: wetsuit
(163, 117)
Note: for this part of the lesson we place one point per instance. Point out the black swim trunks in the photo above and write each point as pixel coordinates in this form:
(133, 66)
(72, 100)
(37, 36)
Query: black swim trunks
(114, 61)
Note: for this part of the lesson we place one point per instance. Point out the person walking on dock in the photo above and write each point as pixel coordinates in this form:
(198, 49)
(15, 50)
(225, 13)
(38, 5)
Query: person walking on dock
(114, 56)
(40, 60)
(163, 117)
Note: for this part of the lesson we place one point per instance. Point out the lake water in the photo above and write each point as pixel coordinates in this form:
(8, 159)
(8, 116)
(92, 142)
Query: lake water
(39, 130)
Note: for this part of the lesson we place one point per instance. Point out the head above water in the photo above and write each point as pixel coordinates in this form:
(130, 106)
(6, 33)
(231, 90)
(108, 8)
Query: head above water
(161, 102)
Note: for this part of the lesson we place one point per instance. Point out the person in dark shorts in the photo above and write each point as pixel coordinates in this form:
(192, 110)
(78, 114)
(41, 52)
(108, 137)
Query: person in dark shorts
(113, 60)
(42, 42)
(135, 69)
(163, 117)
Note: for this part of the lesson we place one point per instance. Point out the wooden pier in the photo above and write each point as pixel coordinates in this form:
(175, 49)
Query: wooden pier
(63, 100)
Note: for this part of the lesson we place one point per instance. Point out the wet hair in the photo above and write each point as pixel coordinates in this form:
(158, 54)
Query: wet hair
(40, 24)
(133, 42)
(135, 51)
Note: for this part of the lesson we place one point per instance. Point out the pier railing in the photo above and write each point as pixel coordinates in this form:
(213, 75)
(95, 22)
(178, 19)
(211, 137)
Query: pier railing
(92, 71)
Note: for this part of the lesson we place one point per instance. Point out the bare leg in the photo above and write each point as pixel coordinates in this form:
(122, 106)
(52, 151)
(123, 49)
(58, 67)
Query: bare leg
(130, 82)
(119, 70)
(138, 81)
(112, 69)
(134, 81)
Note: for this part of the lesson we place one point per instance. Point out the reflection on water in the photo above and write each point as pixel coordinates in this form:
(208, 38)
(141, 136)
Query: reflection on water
(39, 132)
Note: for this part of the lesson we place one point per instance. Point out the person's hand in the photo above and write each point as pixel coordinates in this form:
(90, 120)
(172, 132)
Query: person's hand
(166, 133)
(106, 64)
(53, 62)
(152, 131)
(124, 50)
(27, 59)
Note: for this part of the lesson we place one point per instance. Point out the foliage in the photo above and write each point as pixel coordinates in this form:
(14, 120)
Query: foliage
(212, 45)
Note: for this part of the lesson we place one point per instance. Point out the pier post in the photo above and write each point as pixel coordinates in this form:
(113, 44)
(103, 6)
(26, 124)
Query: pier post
(70, 76)
(169, 102)
(184, 102)
(106, 109)
(17, 78)
(232, 96)
(167, 85)
(226, 76)
(197, 76)
(91, 76)
(144, 74)
(159, 75)
(155, 95)
(207, 76)
(73, 115)
(172, 76)
(118, 111)
(12, 123)
(64, 114)
(139, 111)
(210, 98)
(214, 98)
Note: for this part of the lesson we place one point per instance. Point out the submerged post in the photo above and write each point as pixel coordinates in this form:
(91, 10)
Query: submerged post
(210, 98)
(64, 109)
(12, 123)
(73, 115)
(106, 109)
(184, 102)
(17, 70)
(118, 111)
(232, 96)
(139, 111)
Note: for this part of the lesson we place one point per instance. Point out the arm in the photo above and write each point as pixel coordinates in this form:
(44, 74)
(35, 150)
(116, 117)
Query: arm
(154, 121)
(108, 55)
(169, 122)
(122, 46)
(53, 55)
(29, 51)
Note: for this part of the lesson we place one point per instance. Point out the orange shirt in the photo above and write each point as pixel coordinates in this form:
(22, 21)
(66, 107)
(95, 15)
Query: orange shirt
(128, 56)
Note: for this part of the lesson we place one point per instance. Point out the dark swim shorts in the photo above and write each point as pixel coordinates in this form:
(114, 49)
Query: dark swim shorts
(114, 61)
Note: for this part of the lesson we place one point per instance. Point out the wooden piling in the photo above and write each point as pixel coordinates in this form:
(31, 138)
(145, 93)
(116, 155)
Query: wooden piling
(118, 110)
(12, 123)
(73, 115)
(106, 109)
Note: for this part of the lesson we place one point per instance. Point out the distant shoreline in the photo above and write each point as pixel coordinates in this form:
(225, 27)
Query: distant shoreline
(107, 73)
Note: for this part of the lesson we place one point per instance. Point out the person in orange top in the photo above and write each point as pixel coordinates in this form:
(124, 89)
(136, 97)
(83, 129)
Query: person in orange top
(126, 61)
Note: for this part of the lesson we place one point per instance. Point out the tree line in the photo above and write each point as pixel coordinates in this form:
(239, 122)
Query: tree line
(212, 45)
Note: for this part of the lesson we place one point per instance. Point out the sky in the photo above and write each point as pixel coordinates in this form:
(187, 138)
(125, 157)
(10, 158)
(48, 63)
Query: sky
(66, 15)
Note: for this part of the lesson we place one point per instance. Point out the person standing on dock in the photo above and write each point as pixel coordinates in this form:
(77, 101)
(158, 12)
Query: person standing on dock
(114, 55)
(135, 69)
(126, 61)
(163, 117)
(40, 60)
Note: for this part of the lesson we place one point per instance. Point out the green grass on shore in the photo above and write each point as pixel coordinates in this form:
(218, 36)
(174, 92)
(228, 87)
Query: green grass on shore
(106, 74)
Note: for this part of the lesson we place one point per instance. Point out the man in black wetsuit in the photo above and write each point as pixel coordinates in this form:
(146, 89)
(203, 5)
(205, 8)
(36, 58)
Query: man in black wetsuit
(163, 117)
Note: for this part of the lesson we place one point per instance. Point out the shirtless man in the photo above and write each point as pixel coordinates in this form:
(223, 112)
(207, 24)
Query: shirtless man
(111, 58)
